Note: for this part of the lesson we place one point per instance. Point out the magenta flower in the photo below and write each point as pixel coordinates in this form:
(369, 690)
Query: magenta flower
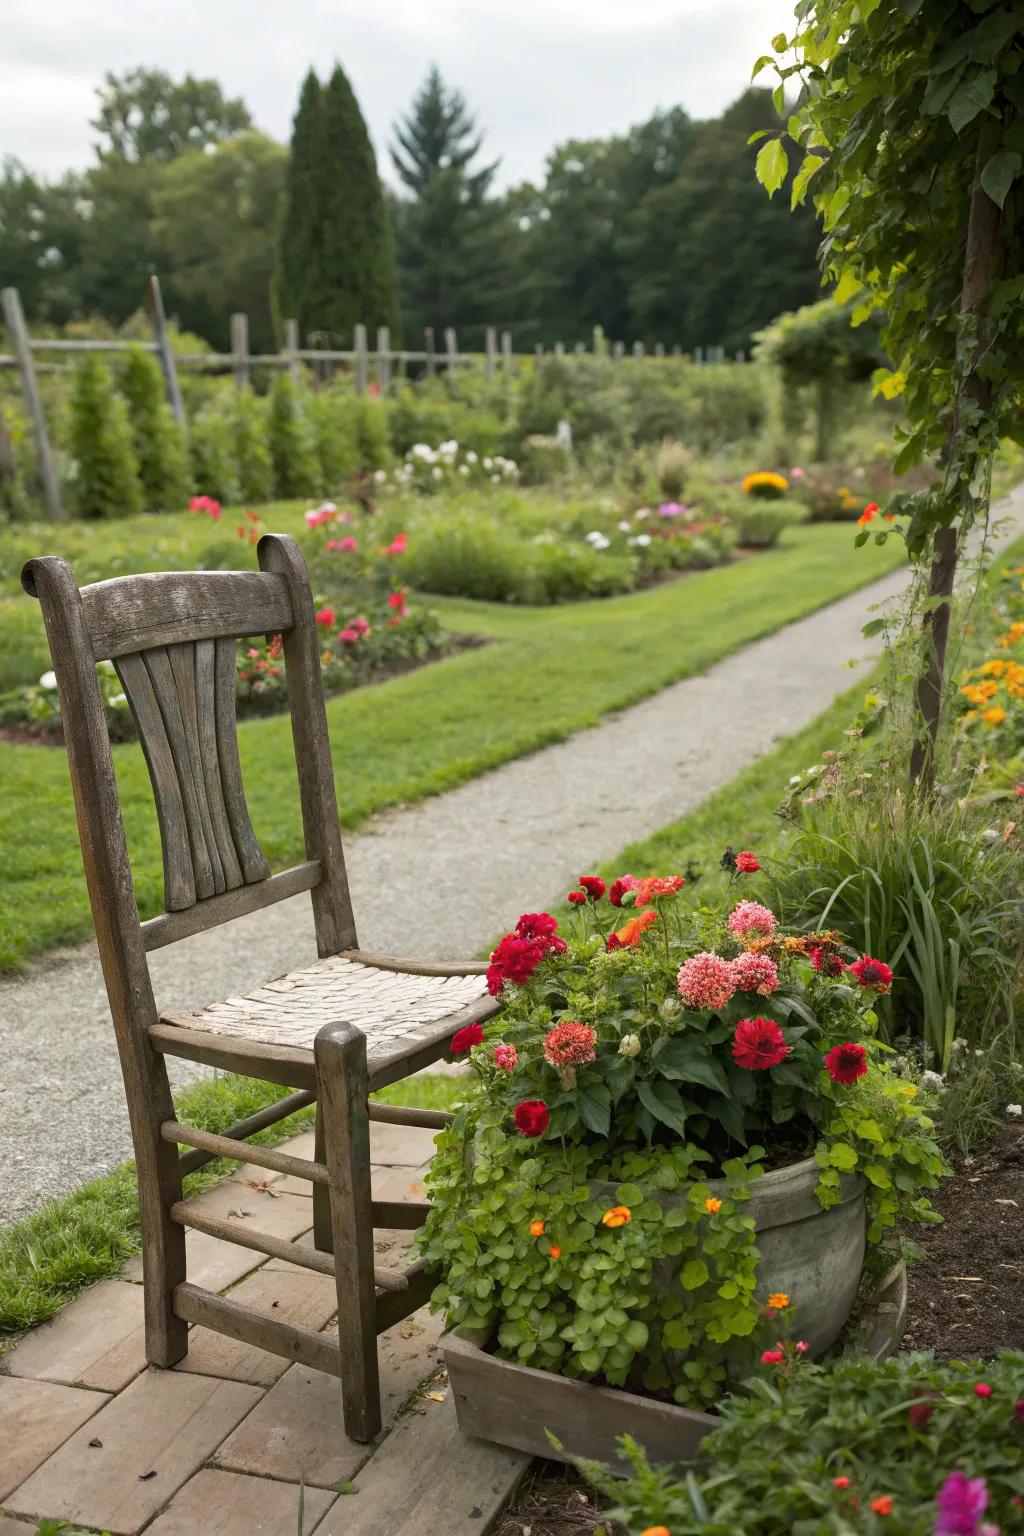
(961, 1501)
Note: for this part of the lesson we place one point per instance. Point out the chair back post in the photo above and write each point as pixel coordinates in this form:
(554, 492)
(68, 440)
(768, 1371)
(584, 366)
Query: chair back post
(118, 935)
(332, 903)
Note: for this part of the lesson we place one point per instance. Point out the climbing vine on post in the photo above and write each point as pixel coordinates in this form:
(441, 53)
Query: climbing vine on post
(909, 137)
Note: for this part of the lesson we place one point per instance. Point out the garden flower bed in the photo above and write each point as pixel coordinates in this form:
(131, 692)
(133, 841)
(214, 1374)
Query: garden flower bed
(659, 1079)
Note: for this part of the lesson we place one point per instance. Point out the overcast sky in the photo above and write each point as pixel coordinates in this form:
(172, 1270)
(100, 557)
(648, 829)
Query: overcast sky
(536, 72)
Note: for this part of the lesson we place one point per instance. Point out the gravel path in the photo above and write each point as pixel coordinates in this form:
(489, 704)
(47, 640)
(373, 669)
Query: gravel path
(438, 879)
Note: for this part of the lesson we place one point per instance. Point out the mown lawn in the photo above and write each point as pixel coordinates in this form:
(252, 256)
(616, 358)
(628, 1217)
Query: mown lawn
(549, 673)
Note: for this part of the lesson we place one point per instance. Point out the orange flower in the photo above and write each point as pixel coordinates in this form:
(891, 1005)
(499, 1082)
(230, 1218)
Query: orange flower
(554, 1252)
(656, 885)
(656, 1530)
(778, 1301)
(536, 1229)
(632, 933)
(882, 1505)
(617, 1216)
(994, 716)
(869, 514)
(712, 1206)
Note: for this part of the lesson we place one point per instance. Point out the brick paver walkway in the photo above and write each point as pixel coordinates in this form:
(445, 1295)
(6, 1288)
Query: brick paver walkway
(219, 1445)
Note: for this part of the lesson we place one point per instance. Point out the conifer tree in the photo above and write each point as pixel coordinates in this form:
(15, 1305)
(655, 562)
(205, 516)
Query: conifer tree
(336, 262)
(106, 474)
(159, 441)
(292, 441)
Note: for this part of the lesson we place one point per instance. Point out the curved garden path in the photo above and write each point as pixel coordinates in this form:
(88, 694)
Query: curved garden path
(438, 879)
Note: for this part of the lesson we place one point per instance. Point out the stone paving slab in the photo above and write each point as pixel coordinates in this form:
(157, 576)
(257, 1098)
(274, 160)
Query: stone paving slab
(96, 1341)
(297, 1430)
(428, 1477)
(230, 1504)
(37, 1417)
(164, 1423)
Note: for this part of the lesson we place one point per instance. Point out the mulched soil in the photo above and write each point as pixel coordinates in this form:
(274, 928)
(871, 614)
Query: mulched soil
(965, 1296)
(965, 1301)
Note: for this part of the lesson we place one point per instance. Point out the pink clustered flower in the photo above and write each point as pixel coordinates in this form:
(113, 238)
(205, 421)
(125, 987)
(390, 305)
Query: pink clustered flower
(706, 981)
(317, 516)
(749, 920)
(355, 630)
(755, 973)
(205, 504)
(570, 1044)
(506, 1058)
(345, 545)
(961, 1501)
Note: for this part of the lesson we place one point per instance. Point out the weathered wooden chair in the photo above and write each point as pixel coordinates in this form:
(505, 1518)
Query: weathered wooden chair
(334, 1030)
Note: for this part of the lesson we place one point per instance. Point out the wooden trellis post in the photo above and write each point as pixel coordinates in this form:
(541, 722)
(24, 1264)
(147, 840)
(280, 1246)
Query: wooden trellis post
(362, 360)
(451, 346)
(14, 319)
(490, 350)
(240, 348)
(383, 358)
(163, 342)
(428, 343)
(506, 350)
(291, 347)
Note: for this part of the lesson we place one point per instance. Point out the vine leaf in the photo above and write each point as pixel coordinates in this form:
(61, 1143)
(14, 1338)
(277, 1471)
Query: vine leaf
(771, 165)
(972, 97)
(999, 174)
(663, 1102)
(808, 166)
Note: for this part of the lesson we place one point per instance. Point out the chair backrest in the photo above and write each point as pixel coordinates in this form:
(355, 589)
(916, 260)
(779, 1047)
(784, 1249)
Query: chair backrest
(171, 637)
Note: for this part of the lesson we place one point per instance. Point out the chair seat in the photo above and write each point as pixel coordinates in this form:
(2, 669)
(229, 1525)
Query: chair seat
(402, 1013)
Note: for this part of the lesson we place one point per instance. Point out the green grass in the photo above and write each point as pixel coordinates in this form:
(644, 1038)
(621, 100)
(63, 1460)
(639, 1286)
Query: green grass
(47, 1258)
(551, 672)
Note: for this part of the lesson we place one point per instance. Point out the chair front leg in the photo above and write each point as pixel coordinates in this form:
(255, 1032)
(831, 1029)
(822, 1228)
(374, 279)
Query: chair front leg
(323, 1237)
(344, 1123)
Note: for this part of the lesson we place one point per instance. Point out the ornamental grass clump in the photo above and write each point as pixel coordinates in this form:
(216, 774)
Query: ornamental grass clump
(590, 1198)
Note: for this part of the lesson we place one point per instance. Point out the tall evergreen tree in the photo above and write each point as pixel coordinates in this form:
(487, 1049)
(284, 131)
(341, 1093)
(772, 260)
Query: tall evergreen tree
(336, 262)
(449, 235)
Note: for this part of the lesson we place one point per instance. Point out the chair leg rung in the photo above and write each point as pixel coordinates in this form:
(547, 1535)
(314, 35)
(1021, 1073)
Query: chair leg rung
(319, 1351)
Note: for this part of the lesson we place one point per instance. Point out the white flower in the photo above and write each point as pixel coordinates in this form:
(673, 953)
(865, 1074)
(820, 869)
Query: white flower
(495, 479)
(328, 506)
(380, 475)
(488, 463)
(437, 472)
(48, 680)
(463, 469)
(629, 1045)
(933, 1080)
(597, 540)
(471, 457)
(795, 778)
(421, 451)
(117, 700)
(624, 526)
(1016, 1110)
(642, 512)
(640, 540)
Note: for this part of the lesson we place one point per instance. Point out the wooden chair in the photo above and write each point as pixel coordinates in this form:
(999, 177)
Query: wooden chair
(334, 1030)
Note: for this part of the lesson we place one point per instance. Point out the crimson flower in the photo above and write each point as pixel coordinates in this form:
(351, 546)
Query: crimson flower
(747, 863)
(772, 1357)
(537, 927)
(619, 888)
(515, 959)
(1018, 1410)
(397, 545)
(326, 616)
(577, 898)
(464, 1039)
(759, 1044)
(845, 1063)
(593, 885)
(919, 1414)
(531, 1117)
(613, 942)
(828, 961)
(874, 975)
(983, 1389)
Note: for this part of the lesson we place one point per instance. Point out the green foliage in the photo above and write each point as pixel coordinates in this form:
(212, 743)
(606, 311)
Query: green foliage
(336, 264)
(106, 472)
(372, 435)
(917, 885)
(818, 350)
(254, 464)
(647, 1098)
(212, 446)
(757, 522)
(145, 115)
(672, 466)
(334, 416)
(160, 445)
(293, 446)
(896, 1431)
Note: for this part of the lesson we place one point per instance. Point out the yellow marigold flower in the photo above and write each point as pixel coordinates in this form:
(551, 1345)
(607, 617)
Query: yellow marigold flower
(536, 1229)
(778, 1301)
(996, 668)
(712, 1206)
(842, 490)
(994, 716)
(617, 1216)
(979, 693)
(764, 479)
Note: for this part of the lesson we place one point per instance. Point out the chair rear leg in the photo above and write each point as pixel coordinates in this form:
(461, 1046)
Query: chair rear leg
(163, 1240)
(342, 1095)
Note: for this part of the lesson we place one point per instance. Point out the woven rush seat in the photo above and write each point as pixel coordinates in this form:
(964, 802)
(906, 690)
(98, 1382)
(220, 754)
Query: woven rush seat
(398, 1011)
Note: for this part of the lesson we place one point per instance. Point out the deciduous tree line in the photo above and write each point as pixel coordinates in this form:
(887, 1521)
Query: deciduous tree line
(658, 234)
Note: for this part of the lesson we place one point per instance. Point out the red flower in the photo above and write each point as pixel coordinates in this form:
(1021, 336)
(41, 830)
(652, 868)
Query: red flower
(759, 1044)
(828, 961)
(593, 885)
(845, 1063)
(1018, 1410)
(577, 898)
(613, 941)
(514, 960)
(531, 1117)
(747, 863)
(619, 888)
(539, 928)
(983, 1389)
(326, 616)
(882, 1505)
(919, 1414)
(841, 1483)
(872, 974)
(397, 545)
(397, 599)
(464, 1039)
(772, 1357)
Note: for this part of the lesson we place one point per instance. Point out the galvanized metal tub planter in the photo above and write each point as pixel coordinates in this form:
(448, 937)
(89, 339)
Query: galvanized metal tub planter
(814, 1255)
